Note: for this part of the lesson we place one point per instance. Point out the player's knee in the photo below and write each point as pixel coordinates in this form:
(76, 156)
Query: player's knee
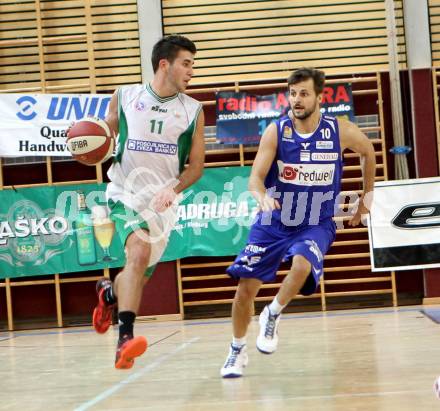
(300, 267)
(138, 256)
(243, 296)
(139, 262)
(245, 293)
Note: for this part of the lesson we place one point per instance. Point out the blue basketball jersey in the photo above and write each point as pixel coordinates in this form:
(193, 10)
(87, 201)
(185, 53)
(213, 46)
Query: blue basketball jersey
(306, 173)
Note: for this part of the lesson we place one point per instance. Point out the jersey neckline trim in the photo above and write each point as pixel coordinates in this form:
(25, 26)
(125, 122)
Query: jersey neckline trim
(306, 136)
(157, 97)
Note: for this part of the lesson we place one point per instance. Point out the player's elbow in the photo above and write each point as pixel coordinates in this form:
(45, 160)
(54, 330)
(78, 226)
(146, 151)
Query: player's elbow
(367, 153)
(371, 154)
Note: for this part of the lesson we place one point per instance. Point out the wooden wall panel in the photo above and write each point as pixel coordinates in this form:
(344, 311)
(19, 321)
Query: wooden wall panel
(268, 39)
(93, 45)
(68, 46)
(434, 19)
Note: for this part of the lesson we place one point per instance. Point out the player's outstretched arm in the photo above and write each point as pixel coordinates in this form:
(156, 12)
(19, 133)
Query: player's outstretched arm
(262, 163)
(353, 138)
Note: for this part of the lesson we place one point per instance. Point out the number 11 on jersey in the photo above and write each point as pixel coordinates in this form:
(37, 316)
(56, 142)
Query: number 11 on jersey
(155, 129)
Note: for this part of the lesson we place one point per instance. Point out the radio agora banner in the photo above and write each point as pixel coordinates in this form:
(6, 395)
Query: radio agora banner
(241, 118)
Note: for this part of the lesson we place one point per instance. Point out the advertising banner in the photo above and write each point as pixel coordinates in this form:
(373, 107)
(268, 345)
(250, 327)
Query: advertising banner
(241, 118)
(337, 101)
(215, 215)
(49, 230)
(59, 229)
(404, 225)
(35, 124)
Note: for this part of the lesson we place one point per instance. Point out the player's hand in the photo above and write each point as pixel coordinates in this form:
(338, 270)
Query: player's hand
(364, 204)
(267, 203)
(163, 199)
(360, 216)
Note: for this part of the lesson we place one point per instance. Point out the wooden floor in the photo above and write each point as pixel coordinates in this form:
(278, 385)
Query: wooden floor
(381, 359)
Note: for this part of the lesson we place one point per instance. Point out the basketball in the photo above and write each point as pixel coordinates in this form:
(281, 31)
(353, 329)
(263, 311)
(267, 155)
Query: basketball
(90, 141)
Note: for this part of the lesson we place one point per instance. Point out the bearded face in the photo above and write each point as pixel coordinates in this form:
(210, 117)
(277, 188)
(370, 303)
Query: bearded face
(303, 99)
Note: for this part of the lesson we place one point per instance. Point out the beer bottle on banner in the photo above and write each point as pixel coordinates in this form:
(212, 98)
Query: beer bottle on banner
(85, 241)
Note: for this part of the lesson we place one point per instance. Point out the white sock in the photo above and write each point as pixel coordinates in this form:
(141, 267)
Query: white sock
(238, 342)
(275, 307)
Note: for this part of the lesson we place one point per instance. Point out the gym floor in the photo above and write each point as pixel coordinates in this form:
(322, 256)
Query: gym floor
(375, 359)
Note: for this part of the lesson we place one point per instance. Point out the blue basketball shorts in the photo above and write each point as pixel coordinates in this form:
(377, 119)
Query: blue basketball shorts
(270, 245)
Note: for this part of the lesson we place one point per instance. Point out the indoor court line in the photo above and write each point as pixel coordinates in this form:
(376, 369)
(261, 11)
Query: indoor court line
(40, 333)
(164, 338)
(171, 324)
(272, 400)
(133, 377)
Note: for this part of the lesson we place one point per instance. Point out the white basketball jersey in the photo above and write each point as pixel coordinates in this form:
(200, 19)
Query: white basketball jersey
(155, 136)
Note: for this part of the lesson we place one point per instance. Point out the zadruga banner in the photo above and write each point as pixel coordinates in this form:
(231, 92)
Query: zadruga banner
(49, 230)
(215, 215)
(241, 118)
(404, 225)
(35, 124)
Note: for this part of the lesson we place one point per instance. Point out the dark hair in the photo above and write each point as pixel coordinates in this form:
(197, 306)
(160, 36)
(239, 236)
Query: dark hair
(168, 47)
(304, 73)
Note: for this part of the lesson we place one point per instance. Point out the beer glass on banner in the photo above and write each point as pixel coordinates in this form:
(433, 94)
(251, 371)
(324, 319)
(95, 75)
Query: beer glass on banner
(104, 229)
(85, 243)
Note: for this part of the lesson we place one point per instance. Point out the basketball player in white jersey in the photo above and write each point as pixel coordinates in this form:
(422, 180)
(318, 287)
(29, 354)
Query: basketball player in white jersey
(159, 129)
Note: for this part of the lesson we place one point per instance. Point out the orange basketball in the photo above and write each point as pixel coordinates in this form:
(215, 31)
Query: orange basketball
(90, 141)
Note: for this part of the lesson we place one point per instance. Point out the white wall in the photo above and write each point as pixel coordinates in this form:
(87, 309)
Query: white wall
(150, 31)
(418, 42)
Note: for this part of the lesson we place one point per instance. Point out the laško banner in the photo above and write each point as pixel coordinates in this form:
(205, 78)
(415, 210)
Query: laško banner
(35, 124)
(49, 230)
(65, 229)
(241, 118)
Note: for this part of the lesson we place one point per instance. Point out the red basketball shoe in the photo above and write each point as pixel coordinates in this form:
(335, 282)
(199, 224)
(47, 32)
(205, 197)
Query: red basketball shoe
(102, 314)
(128, 349)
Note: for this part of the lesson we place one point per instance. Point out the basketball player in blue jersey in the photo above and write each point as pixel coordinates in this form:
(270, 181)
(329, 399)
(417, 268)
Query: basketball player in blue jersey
(295, 178)
(159, 128)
